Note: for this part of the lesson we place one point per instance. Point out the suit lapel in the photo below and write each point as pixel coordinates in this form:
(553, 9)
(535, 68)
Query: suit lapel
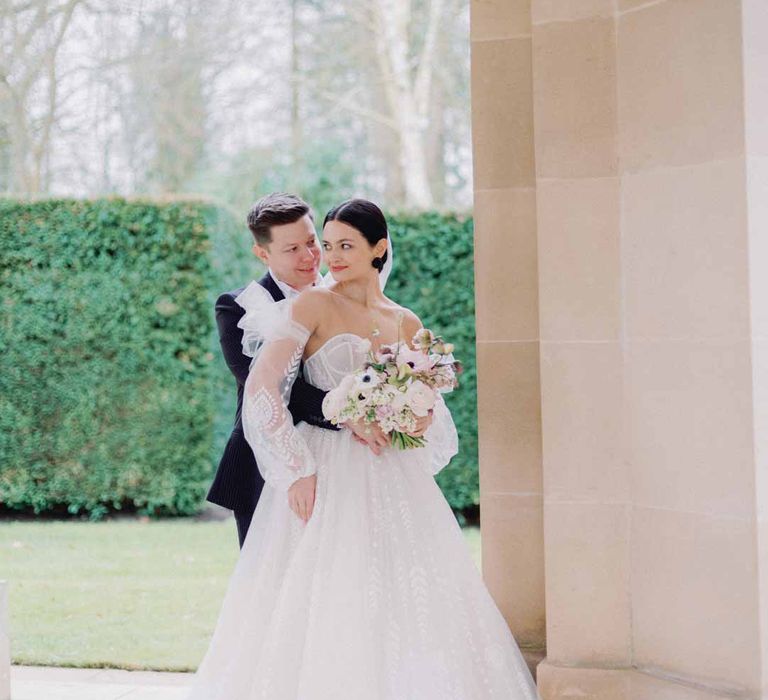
(271, 286)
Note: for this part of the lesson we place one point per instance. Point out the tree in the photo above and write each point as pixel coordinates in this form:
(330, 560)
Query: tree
(169, 99)
(32, 33)
(408, 87)
(159, 96)
(389, 71)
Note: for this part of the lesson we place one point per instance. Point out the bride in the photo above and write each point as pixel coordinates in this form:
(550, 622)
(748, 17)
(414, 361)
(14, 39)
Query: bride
(354, 582)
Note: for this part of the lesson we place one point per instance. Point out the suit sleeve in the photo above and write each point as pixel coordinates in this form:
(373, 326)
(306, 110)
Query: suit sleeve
(306, 404)
(228, 313)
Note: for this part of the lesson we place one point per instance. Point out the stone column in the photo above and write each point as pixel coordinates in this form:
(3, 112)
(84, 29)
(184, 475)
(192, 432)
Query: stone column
(507, 316)
(755, 53)
(586, 475)
(652, 187)
(689, 374)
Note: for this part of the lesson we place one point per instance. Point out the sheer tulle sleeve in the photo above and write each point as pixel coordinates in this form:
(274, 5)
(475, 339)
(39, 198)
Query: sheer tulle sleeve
(278, 341)
(442, 438)
(263, 318)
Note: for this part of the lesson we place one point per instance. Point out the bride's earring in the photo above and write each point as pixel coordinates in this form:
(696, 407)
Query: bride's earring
(378, 263)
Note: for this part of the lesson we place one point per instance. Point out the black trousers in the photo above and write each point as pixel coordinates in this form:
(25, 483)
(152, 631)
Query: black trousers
(243, 520)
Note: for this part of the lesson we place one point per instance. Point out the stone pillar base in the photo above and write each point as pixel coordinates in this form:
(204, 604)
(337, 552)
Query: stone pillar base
(533, 657)
(572, 683)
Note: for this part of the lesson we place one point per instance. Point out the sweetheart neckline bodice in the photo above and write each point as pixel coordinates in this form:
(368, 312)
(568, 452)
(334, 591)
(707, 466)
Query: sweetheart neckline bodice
(337, 357)
(327, 342)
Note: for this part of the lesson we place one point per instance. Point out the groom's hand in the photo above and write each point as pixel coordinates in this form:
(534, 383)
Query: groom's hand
(301, 496)
(369, 434)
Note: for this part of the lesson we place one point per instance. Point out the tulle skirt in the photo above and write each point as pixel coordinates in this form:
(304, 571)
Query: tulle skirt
(375, 598)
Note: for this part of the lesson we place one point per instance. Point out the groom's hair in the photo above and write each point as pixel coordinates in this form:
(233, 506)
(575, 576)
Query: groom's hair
(275, 209)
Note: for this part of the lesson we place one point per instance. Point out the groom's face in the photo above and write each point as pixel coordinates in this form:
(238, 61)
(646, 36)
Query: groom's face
(294, 253)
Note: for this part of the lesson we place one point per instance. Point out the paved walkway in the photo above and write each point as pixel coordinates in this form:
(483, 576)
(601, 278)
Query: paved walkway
(42, 683)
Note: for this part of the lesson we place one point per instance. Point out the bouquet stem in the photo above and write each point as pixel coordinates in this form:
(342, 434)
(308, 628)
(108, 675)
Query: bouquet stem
(403, 441)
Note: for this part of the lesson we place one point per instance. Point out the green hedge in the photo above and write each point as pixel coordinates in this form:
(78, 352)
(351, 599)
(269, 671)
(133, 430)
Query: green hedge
(108, 373)
(113, 391)
(434, 275)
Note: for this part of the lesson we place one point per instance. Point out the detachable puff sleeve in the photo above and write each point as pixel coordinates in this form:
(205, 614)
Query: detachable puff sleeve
(441, 437)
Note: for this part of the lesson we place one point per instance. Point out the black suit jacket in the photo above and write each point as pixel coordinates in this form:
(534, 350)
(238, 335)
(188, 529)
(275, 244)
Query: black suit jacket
(238, 483)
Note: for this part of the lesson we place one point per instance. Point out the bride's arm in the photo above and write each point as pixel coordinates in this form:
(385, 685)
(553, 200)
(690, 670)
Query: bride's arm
(281, 453)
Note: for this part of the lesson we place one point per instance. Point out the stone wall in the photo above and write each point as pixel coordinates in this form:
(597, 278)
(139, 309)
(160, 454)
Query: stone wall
(622, 286)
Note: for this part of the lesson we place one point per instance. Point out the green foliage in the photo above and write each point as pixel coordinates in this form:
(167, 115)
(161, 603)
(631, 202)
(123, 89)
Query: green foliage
(434, 276)
(113, 391)
(108, 375)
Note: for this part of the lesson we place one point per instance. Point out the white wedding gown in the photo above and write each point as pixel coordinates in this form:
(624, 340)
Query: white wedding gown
(377, 596)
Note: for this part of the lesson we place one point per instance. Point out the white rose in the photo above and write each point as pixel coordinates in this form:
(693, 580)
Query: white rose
(420, 398)
(336, 399)
(346, 384)
(334, 402)
(398, 400)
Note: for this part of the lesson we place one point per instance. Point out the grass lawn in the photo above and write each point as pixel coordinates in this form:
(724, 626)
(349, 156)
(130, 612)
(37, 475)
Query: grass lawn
(121, 593)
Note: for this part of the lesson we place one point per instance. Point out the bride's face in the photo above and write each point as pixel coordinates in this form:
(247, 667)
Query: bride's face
(347, 253)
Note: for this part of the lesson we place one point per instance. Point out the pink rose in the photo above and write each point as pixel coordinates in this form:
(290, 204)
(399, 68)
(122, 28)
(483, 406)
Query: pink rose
(420, 398)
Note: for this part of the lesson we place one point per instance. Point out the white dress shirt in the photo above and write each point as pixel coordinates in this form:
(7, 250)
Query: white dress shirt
(288, 291)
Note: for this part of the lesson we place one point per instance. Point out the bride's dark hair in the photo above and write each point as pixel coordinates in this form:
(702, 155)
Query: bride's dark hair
(367, 218)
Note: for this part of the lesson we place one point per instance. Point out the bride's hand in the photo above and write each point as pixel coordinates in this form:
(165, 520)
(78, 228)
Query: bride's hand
(422, 424)
(301, 496)
(369, 434)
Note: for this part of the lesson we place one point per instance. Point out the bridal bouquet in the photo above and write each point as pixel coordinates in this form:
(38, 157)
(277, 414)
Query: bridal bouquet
(397, 385)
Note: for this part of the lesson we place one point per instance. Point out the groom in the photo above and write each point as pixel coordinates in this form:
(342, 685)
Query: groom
(286, 241)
